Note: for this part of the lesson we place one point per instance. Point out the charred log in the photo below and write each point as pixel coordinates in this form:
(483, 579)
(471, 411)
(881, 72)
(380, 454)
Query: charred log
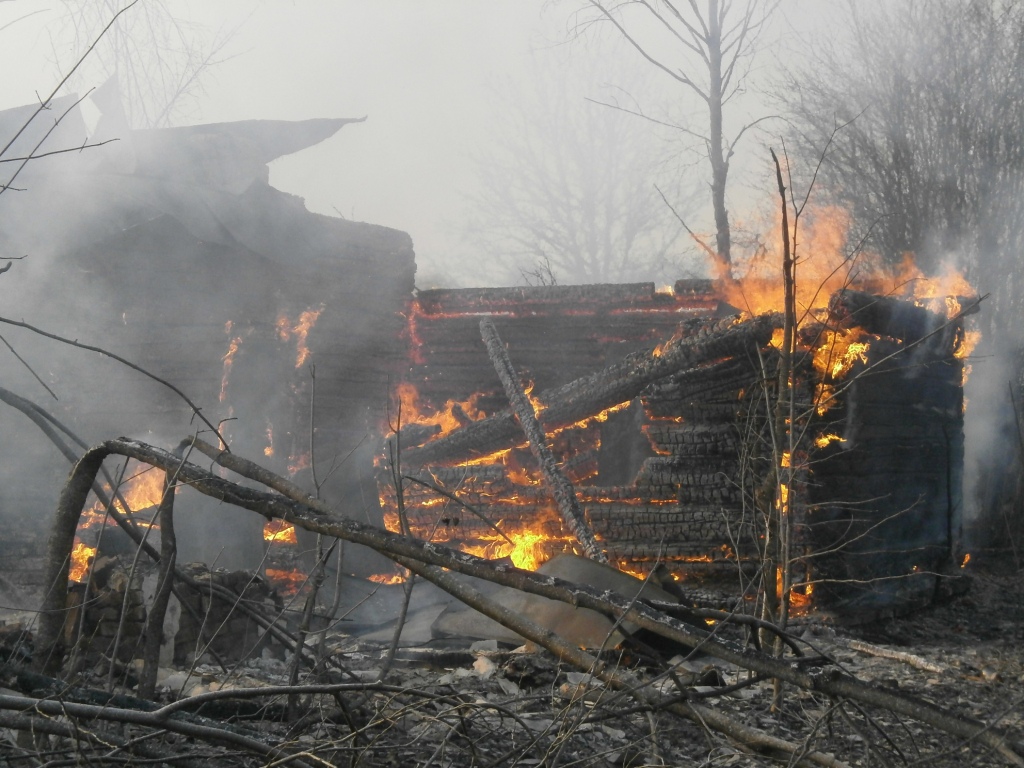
(693, 439)
(697, 342)
(890, 316)
(561, 488)
(530, 299)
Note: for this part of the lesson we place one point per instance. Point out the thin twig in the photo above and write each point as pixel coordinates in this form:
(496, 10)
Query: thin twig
(29, 367)
(75, 343)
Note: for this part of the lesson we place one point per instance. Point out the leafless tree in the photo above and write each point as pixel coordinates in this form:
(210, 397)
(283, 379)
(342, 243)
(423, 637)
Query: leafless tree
(570, 193)
(708, 50)
(157, 55)
(932, 161)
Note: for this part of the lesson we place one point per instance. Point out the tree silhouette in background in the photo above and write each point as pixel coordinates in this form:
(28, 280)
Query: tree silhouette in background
(709, 52)
(157, 55)
(932, 159)
(569, 195)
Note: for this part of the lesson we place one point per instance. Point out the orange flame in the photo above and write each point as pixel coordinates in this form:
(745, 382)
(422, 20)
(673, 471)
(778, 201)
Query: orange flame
(825, 265)
(387, 578)
(141, 491)
(826, 439)
(81, 559)
(279, 532)
(300, 329)
(823, 268)
(144, 490)
(229, 361)
(449, 418)
(800, 602)
(288, 583)
(269, 449)
(298, 463)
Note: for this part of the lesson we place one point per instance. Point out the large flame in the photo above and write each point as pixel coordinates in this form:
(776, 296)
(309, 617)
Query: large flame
(452, 415)
(826, 263)
(142, 490)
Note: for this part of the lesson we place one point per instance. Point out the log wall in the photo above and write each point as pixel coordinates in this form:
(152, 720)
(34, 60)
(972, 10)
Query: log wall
(653, 484)
(677, 475)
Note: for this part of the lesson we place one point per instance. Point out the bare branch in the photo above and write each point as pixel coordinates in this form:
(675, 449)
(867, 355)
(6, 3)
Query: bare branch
(75, 343)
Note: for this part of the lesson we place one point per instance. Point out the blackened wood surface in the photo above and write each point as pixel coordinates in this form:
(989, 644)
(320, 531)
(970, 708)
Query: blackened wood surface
(561, 488)
(886, 501)
(885, 315)
(698, 342)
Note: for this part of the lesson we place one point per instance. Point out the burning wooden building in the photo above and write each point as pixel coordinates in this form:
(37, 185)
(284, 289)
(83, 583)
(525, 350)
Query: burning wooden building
(660, 407)
(170, 248)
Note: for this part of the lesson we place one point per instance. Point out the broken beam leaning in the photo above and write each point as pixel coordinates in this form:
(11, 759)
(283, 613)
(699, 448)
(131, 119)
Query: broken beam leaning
(697, 342)
(561, 488)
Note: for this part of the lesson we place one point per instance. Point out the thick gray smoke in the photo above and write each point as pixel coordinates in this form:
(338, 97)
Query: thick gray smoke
(169, 248)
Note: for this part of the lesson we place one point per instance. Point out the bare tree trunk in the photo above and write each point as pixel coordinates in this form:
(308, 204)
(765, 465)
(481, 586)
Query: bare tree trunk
(716, 148)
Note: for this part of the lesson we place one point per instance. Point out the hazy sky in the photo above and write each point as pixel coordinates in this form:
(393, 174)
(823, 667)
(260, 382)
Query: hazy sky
(423, 72)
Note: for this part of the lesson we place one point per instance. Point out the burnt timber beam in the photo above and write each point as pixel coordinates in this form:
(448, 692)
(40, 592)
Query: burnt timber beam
(696, 343)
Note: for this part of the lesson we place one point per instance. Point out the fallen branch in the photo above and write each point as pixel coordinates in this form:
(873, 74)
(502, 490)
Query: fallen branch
(832, 683)
(113, 743)
(49, 425)
(635, 686)
(901, 656)
(213, 735)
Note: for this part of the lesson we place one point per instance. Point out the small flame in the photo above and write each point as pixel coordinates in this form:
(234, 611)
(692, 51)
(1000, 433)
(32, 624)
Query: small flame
(81, 559)
(387, 578)
(279, 532)
(229, 361)
(528, 550)
(288, 583)
(800, 602)
(453, 415)
(269, 449)
(300, 329)
(392, 522)
(298, 463)
(523, 475)
(834, 357)
(824, 440)
(966, 560)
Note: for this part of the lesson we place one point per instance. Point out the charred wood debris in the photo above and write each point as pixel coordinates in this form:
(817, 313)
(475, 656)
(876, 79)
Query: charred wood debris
(679, 678)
